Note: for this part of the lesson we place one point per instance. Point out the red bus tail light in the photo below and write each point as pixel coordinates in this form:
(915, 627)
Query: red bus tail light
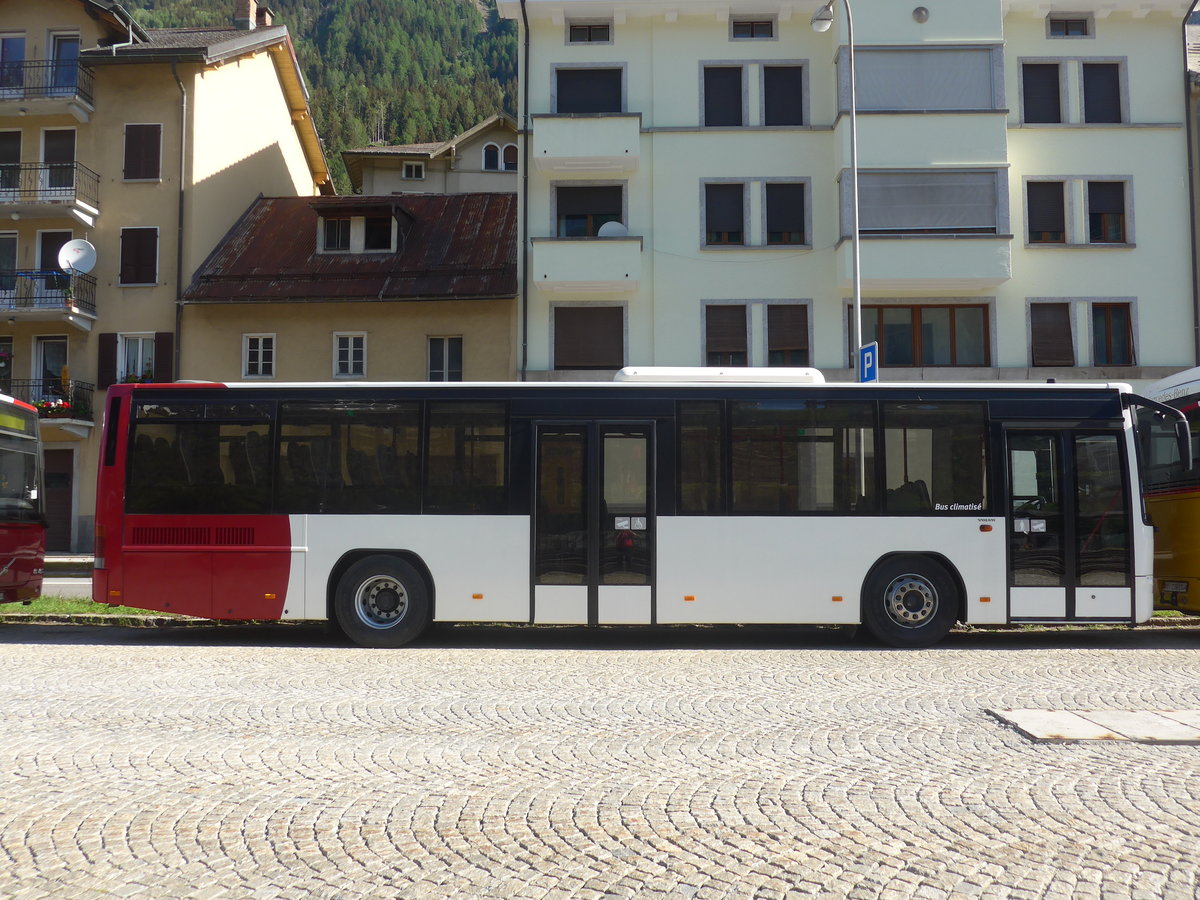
(98, 563)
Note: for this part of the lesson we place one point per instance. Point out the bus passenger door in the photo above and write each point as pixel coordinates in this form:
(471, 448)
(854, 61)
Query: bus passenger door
(593, 527)
(1069, 548)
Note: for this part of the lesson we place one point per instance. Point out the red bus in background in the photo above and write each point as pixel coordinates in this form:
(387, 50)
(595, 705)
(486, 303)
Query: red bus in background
(22, 524)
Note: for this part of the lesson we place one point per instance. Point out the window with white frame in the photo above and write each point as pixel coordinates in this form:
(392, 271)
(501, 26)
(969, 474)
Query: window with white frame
(413, 171)
(336, 234)
(350, 355)
(446, 358)
(136, 359)
(258, 356)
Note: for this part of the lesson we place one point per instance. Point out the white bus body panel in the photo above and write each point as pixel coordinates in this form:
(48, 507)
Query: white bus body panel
(784, 569)
(560, 604)
(624, 604)
(467, 555)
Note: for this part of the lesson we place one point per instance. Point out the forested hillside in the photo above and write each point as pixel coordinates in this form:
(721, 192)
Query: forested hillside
(385, 71)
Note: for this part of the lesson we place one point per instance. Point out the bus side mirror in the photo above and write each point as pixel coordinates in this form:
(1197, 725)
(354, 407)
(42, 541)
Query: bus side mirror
(1183, 437)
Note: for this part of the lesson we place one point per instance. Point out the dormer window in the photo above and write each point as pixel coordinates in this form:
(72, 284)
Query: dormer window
(414, 171)
(337, 235)
(377, 233)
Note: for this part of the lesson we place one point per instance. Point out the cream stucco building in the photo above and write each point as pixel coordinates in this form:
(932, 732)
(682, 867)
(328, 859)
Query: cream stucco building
(149, 145)
(1024, 196)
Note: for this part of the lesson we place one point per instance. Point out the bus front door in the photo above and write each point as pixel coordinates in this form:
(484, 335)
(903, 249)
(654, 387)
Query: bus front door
(593, 523)
(1069, 556)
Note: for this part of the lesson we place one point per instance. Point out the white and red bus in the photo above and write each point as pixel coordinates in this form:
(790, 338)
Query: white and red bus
(666, 496)
(22, 523)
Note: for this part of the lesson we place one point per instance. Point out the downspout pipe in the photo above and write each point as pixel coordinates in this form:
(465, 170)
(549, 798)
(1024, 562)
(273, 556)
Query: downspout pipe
(183, 112)
(1190, 123)
(528, 133)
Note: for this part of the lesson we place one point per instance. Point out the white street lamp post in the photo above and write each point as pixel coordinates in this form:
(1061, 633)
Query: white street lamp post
(821, 21)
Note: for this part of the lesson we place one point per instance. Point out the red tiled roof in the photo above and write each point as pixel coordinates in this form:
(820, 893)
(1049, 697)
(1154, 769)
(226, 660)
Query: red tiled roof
(451, 247)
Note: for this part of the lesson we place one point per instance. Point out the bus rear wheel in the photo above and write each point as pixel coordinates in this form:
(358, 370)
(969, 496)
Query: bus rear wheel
(382, 601)
(909, 602)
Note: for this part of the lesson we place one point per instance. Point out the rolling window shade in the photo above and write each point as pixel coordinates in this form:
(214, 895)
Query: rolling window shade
(1101, 92)
(785, 213)
(783, 95)
(1047, 213)
(723, 207)
(924, 202)
(1050, 335)
(589, 90)
(1040, 93)
(725, 329)
(589, 201)
(722, 96)
(923, 79)
(787, 327)
(589, 337)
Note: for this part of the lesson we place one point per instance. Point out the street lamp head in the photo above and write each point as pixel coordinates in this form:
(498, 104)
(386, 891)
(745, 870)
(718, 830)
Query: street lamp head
(822, 18)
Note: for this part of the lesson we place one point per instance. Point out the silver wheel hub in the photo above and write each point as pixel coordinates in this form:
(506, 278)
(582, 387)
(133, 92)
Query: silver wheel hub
(380, 602)
(910, 601)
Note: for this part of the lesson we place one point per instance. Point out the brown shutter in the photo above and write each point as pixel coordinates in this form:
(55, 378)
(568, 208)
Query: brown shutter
(106, 366)
(589, 337)
(164, 356)
(1047, 211)
(725, 329)
(787, 328)
(1050, 334)
(139, 256)
(142, 143)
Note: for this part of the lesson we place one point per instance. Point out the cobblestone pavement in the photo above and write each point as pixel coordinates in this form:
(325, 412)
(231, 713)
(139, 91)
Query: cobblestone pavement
(279, 763)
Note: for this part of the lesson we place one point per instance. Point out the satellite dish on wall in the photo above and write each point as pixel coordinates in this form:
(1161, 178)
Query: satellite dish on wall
(612, 229)
(77, 256)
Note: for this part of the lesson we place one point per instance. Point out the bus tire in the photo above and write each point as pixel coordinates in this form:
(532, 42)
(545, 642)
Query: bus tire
(381, 601)
(909, 601)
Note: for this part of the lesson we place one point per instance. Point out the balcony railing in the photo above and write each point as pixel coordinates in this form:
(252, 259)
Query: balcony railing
(41, 289)
(49, 183)
(46, 80)
(54, 398)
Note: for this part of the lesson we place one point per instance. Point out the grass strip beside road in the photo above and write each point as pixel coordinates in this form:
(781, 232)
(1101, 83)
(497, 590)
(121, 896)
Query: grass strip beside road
(51, 605)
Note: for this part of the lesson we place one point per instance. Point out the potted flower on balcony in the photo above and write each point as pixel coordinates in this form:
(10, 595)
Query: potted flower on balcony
(58, 408)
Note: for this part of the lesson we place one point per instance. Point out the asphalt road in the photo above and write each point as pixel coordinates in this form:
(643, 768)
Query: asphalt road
(278, 762)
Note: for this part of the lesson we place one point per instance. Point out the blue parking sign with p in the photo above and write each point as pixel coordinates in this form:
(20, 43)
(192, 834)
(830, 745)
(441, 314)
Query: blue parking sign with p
(868, 362)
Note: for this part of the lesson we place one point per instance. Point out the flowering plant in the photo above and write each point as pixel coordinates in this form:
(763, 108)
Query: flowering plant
(58, 407)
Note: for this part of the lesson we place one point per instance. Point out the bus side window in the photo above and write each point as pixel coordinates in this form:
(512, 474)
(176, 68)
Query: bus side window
(935, 458)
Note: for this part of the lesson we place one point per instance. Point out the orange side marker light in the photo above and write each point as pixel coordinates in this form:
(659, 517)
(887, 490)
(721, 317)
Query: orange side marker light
(837, 599)
(268, 596)
(985, 599)
(689, 598)
(477, 596)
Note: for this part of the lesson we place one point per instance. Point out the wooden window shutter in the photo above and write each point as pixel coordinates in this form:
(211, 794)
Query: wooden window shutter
(164, 356)
(785, 213)
(787, 327)
(1101, 92)
(589, 337)
(1040, 92)
(106, 365)
(725, 329)
(1047, 211)
(139, 256)
(142, 146)
(1050, 334)
(782, 95)
(723, 210)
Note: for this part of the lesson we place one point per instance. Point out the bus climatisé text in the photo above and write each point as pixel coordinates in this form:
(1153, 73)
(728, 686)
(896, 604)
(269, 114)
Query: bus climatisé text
(22, 525)
(666, 496)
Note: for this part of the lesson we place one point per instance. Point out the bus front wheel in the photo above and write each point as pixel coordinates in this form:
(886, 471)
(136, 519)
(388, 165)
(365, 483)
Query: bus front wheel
(382, 601)
(909, 602)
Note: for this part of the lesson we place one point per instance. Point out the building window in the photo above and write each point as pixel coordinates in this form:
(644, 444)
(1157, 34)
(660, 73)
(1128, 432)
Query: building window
(1041, 93)
(1101, 93)
(1106, 212)
(589, 33)
(337, 234)
(725, 335)
(785, 213)
(724, 214)
(12, 63)
(923, 79)
(258, 356)
(723, 106)
(581, 211)
(139, 256)
(932, 202)
(350, 355)
(1050, 335)
(588, 90)
(1047, 214)
(377, 233)
(143, 146)
(510, 157)
(136, 358)
(742, 29)
(589, 337)
(783, 95)
(926, 335)
(787, 334)
(445, 359)
(1112, 335)
(491, 158)
(413, 171)
(1065, 27)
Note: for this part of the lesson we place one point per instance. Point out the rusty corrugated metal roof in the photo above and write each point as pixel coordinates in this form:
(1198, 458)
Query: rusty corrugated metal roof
(450, 247)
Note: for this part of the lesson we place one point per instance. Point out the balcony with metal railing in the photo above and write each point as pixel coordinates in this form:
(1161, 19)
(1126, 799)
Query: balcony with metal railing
(47, 190)
(57, 399)
(47, 87)
(48, 295)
